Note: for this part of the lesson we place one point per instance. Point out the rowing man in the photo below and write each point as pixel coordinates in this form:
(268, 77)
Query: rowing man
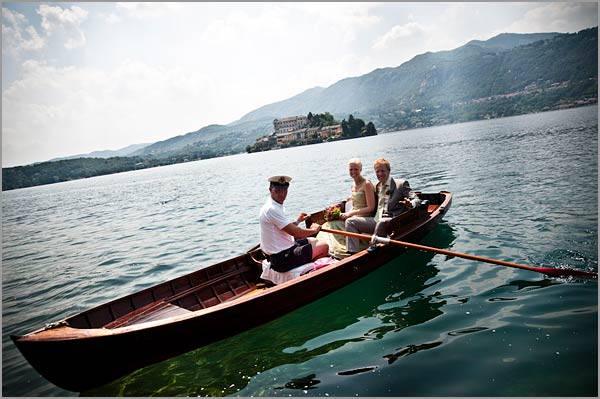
(284, 242)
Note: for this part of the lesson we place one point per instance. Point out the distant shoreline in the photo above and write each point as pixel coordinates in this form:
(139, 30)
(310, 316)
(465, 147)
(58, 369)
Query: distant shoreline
(51, 172)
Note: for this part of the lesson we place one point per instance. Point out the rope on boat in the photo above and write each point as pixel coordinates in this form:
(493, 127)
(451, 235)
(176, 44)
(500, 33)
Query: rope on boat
(259, 262)
(56, 324)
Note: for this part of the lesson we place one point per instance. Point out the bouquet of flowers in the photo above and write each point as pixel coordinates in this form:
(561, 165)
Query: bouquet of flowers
(332, 213)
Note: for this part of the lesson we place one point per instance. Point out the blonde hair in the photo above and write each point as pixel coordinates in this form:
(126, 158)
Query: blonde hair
(382, 161)
(355, 161)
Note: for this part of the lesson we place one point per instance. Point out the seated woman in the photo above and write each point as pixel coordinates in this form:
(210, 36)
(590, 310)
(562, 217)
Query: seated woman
(363, 204)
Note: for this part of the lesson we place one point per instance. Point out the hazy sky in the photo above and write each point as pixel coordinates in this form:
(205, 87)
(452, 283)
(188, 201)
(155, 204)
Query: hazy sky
(79, 77)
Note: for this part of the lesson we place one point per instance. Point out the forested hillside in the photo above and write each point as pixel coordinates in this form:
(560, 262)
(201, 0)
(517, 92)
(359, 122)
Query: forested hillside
(475, 81)
(509, 74)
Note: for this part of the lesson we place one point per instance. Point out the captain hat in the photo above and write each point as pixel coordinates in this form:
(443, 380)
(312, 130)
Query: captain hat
(280, 180)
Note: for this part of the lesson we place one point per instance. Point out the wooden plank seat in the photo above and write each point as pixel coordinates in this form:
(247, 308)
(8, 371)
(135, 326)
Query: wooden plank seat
(224, 277)
(154, 311)
(164, 308)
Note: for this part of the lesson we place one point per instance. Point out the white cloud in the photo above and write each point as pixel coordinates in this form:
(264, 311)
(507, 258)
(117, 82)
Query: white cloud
(17, 35)
(55, 111)
(556, 17)
(111, 18)
(345, 20)
(401, 43)
(399, 34)
(144, 10)
(265, 54)
(444, 26)
(56, 20)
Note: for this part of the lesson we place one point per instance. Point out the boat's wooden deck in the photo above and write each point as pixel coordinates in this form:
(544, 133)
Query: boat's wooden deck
(256, 291)
(202, 289)
(224, 282)
(152, 312)
(167, 310)
(163, 310)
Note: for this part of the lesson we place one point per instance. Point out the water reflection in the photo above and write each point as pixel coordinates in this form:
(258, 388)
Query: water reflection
(467, 331)
(529, 285)
(410, 350)
(303, 383)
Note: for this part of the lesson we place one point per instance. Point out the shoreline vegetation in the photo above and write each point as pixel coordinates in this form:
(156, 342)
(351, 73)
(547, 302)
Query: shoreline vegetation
(81, 168)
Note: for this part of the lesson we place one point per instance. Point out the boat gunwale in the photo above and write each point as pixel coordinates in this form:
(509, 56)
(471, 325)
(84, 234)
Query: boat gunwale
(63, 354)
(74, 333)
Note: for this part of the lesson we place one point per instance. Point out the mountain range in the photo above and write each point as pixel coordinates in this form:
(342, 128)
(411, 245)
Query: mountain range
(123, 152)
(467, 83)
(506, 75)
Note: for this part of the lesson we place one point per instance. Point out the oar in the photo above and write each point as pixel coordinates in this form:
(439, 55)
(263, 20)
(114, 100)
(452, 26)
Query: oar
(546, 270)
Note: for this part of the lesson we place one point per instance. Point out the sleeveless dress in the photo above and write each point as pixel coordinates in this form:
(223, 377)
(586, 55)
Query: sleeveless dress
(337, 243)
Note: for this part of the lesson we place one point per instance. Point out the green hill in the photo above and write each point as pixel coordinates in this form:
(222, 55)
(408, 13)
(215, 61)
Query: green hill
(509, 74)
(471, 82)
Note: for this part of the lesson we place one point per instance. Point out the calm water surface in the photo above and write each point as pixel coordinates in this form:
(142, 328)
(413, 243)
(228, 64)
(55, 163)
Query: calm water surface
(525, 191)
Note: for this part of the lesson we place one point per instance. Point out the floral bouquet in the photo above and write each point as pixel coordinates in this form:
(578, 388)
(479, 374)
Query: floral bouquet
(332, 213)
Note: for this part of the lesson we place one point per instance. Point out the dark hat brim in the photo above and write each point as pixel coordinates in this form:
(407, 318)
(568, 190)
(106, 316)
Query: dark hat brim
(281, 180)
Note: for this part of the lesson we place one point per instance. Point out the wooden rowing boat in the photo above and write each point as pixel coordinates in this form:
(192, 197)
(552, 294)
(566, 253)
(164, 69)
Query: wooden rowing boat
(102, 344)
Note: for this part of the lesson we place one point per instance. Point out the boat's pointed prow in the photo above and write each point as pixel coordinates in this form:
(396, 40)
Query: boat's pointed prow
(15, 338)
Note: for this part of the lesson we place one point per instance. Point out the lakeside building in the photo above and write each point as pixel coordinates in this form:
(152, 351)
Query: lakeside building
(333, 131)
(307, 134)
(293, 131)
(290, 124)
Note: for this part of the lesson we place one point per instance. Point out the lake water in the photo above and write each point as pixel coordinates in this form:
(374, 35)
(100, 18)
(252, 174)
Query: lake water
(525, 191)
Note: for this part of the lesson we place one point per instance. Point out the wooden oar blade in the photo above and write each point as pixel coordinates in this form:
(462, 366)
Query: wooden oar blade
(558, 272)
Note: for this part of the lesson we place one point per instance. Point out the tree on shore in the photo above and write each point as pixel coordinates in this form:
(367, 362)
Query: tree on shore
(354, 127)
(320, 120)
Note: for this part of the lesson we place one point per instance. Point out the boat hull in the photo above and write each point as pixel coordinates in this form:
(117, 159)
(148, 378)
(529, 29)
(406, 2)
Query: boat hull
(78, 359)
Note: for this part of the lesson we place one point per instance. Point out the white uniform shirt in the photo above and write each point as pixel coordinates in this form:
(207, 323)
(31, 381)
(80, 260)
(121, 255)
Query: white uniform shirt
(272, 220)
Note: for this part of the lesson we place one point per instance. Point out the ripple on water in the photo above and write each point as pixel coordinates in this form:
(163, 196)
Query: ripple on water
(110, 261)
(74, 245)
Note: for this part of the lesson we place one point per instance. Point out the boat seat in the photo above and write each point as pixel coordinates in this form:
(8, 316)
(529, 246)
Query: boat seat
(276, 277)
(159, 311)
(167, 310)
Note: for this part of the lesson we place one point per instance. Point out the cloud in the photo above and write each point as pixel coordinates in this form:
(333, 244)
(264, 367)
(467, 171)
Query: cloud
(401, 43)
(556, 17)
(143, 10)
(399, 34)
(428, 27)
(55, 111)
(67, 22)
(17, 35)
(345, 20)
(110, 18)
